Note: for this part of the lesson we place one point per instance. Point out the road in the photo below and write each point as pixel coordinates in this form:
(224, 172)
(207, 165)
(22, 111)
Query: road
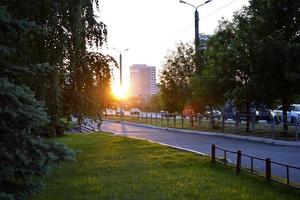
(202, 143)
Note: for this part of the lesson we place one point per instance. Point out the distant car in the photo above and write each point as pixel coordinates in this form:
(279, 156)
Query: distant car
(119, 111)
(293, 113)
(216, 114)
(259, 111)
(135, 111)
(166, 114)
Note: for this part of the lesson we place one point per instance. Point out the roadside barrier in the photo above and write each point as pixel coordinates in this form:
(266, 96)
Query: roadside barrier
(255, 170)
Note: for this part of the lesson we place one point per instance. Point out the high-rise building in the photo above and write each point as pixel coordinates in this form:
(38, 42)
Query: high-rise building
(142, 80)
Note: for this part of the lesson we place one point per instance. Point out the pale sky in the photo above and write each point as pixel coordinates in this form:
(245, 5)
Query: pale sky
(149, 28)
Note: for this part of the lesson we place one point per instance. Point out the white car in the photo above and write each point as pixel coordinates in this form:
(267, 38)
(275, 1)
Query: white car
(119, 111)
(293, 113)
(135, 111)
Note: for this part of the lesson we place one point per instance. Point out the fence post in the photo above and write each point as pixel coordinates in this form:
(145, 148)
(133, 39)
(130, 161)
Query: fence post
(151, 119)
(223, 123)
(174, 121)
(213, 153)
(237, 123)
(156, 119)
(182, 121)
(273, 128)
(238, 161)
(253, 121)
(268, 169)
(146, 118)
(167, 120)
(296, 129)
(199, 122)
(161, 120)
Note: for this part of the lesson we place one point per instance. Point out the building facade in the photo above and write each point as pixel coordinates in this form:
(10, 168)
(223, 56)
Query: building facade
(142, 80)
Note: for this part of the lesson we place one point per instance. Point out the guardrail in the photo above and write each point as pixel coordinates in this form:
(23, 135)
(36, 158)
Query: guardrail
(268, 165)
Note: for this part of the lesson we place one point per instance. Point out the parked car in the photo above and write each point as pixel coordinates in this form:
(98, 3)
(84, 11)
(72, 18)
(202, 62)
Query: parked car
(135, 111)
(261, 113)
(293, 113)
(259, 109)
(216, 114)
(119, 111)
(166, 114)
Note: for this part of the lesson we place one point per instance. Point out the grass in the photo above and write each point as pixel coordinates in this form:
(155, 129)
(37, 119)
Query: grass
(261, 130)
(115, 167)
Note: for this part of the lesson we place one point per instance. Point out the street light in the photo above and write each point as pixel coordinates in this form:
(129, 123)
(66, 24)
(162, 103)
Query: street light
(120, 52)
(121, 86)
(197, 38)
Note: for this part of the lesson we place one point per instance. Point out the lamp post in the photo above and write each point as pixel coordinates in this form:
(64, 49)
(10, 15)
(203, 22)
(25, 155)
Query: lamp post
(197, 38)
(121, 80)
(120, 63)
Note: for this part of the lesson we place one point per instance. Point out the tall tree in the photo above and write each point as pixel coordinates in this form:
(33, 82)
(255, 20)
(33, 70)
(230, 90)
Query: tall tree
(24, 155)
(276, 26)
(176, 77)
(71, 32)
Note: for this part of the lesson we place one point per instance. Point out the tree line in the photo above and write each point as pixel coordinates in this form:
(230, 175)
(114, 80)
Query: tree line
(252, 58)
(48, 71)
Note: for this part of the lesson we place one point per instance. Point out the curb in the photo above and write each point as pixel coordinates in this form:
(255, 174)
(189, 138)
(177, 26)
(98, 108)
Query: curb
(240, 137)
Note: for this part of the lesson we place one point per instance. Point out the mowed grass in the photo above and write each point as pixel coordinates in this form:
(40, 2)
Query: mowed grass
(119, 168)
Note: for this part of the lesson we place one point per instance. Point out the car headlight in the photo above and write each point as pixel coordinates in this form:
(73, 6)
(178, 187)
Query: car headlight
(257, 112)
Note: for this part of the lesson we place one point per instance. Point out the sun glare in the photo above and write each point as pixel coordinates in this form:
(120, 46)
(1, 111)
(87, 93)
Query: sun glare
(119, 92)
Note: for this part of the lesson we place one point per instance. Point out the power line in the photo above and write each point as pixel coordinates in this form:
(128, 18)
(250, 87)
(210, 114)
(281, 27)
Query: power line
(190, 25)
(218, 9)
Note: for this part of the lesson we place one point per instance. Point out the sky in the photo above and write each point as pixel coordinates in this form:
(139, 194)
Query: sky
(151, 28)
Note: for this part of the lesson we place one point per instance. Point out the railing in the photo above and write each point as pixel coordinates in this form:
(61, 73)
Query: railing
(268, 165)
(253, 127)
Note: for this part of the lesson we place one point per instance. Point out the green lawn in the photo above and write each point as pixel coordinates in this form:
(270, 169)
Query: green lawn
(114, 167)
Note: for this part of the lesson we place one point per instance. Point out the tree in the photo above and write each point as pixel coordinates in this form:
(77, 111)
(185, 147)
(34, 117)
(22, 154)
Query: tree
(23, 153)
(276, 25)
(176, 77)
(71, 30)
(37, 52)
(258, 53)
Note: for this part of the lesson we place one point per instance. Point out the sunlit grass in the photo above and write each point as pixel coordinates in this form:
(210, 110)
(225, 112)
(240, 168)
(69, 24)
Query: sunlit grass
(114, 167)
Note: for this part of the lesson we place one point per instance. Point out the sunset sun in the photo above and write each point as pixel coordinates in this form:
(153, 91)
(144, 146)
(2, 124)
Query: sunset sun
(119, 92)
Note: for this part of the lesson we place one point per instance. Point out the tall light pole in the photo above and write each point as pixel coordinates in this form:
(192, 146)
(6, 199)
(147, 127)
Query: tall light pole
(197, 37)
(121, 76)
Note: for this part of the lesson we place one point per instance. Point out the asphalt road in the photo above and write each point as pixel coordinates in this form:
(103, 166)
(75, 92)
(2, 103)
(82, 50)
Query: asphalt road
(202, 143)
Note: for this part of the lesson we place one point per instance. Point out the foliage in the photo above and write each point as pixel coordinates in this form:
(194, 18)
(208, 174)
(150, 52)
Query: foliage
(176, 77)
(277, 43)
(23, 154)
(43, 48)
(92, 86)
(71, 33)
(255, 57)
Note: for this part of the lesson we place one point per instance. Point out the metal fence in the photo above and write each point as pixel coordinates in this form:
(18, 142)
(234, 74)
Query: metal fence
(246, 125)
(251, 168)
